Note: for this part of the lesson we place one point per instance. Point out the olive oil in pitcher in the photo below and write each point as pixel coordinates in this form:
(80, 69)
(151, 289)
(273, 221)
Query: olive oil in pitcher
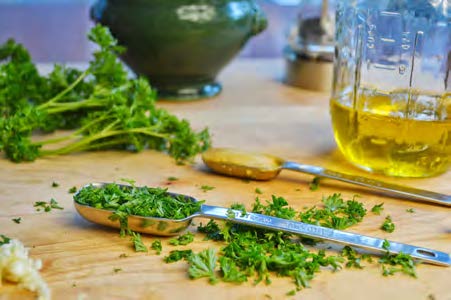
(381, 135)
(391, 99)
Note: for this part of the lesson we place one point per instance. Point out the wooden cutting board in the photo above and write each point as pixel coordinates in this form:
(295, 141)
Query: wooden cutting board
(255, 112)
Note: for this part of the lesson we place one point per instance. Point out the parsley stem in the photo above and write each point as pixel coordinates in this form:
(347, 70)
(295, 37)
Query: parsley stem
(86, 143)
(67, 106)
(65, 91)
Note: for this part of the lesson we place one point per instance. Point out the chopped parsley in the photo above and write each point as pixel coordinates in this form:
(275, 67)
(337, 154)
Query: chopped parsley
(378, 208)
(211, 230)
(4, 240)
(72, 190)
(256, 254)
(410, 210)
(137, 242)
(230, 271)
(139, 201)
(386, 245)
(337, 213)
(388, 225)
(250, 253)
(231, 214)
(354, 260)
(156, 245)
(55, 184)
(47, 206)
(17, 220)
(314, 185)
(176, 255)
(184, 239)
(123, 255)
(117, 270)
(394, 263)
(172, 178)
(240, 207)
(258, 191)
(206, 188)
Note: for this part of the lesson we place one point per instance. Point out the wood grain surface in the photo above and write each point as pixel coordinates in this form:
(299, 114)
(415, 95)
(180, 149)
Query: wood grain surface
(254, 112)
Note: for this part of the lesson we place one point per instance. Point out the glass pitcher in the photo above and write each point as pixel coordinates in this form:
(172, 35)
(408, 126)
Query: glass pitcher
(391, 100)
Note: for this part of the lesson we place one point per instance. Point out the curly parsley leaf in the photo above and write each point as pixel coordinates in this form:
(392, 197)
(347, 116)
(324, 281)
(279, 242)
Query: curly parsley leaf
(203, 264)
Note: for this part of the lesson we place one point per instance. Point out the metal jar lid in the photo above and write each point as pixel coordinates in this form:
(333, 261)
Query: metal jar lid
(309, 54)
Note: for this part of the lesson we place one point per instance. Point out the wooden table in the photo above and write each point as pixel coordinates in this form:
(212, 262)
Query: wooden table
(255, 112)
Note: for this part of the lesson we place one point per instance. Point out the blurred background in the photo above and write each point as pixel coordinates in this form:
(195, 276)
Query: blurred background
(55, 30)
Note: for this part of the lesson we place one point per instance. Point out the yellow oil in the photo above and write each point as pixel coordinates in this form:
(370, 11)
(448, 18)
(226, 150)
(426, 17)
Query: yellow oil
(396, 134)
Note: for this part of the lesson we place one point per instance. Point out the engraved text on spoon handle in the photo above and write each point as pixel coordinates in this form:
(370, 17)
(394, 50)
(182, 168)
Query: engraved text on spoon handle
(319, 232)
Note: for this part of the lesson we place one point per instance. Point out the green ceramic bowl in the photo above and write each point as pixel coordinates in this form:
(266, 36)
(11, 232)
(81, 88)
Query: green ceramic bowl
(180, 45)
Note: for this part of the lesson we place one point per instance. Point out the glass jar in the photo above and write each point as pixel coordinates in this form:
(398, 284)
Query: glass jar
(391, 100)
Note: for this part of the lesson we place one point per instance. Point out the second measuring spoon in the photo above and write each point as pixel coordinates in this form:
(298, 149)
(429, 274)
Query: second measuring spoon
(260, 166)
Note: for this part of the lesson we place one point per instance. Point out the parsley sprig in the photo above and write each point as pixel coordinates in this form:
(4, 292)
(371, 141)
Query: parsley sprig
(102, 105)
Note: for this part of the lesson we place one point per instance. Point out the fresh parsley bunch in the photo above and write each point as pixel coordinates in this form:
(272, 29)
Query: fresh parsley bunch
(105, 108)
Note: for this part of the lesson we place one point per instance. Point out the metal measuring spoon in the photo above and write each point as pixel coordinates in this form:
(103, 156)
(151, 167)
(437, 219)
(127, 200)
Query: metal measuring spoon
(260, 166)
(170, 227)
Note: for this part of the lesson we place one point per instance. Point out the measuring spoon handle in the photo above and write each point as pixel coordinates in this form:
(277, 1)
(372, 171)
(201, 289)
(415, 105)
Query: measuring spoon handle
(399, 190)
(319, 232)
